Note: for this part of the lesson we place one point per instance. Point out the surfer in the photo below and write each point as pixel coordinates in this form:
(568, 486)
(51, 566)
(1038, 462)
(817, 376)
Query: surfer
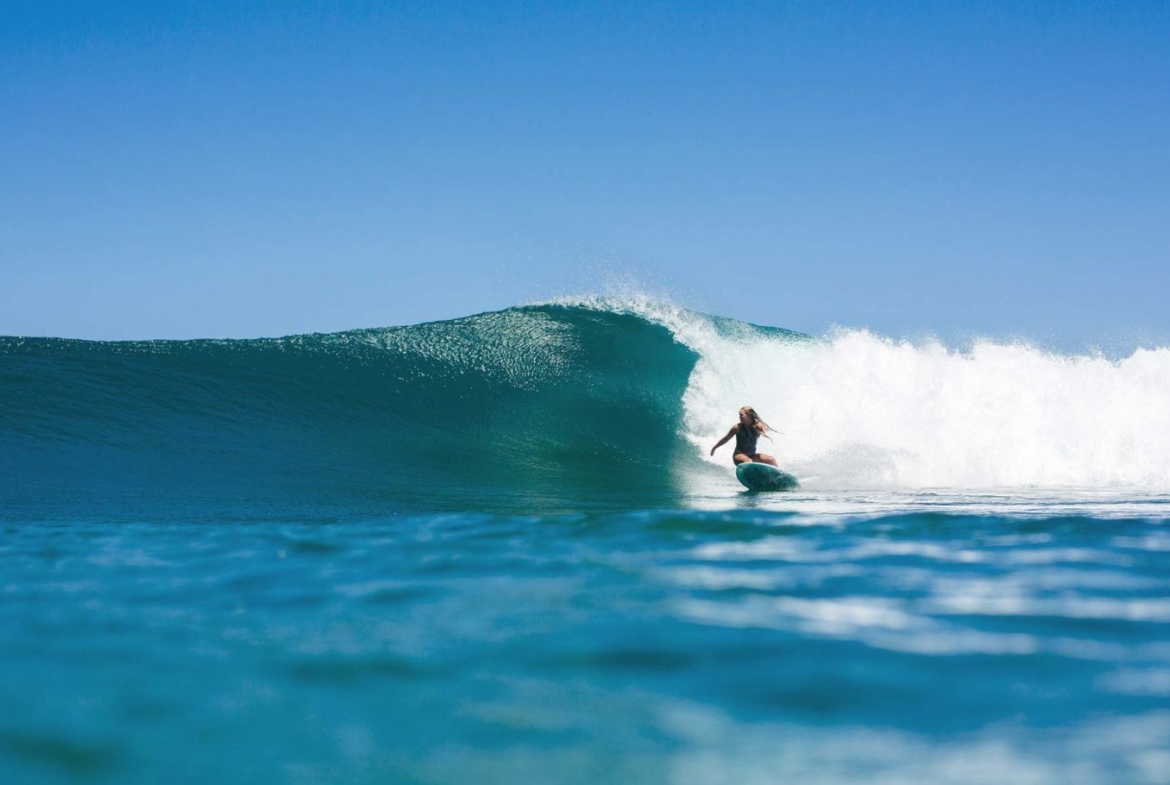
(747, 432)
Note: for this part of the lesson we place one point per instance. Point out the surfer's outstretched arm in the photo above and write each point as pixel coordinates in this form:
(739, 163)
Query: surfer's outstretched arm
(725, 439)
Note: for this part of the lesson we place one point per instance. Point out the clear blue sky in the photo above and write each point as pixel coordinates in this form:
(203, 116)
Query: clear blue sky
(263, 168)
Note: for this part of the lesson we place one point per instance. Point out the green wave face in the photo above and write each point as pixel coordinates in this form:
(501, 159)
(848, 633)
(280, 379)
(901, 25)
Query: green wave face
(542, 408)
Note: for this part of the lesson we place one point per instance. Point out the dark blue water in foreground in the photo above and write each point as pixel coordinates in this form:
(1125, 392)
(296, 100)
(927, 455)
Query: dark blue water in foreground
(256, 562)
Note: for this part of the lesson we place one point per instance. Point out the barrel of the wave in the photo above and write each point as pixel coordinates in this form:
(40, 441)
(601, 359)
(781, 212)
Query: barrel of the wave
(764, 477)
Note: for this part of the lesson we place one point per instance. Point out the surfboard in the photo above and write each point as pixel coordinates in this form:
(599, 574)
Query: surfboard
(763, 477)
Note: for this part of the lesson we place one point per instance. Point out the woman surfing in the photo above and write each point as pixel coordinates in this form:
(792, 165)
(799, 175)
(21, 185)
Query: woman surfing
(747, 432)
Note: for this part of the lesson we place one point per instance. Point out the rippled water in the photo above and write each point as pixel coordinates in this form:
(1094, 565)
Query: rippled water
(812, 638)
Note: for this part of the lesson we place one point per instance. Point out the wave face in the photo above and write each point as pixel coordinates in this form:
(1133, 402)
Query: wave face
(550, 408)
(520, 404)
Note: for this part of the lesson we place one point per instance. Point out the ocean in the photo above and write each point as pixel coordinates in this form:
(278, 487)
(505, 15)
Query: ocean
(496, 550)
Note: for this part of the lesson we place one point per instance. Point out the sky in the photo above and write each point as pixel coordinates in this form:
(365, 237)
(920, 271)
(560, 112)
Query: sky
(211, 169)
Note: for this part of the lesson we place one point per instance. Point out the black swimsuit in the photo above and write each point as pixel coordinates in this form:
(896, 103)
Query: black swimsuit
(746, 442)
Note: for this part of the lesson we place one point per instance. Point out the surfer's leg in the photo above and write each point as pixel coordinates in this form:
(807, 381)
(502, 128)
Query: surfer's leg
(741, 458)
(763, 458)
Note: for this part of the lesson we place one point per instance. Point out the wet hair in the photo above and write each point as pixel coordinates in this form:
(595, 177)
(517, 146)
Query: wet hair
(756, 419)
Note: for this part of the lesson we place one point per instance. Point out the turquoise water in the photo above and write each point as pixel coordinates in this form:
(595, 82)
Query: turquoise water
(495, 550)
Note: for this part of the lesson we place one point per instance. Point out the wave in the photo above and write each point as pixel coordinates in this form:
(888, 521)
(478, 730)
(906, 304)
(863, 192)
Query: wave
(553, 406)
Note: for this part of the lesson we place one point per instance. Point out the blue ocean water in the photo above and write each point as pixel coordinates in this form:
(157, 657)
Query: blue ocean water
(495, 549)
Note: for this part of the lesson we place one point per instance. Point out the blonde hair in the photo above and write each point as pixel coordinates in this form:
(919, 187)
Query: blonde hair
(756, 419)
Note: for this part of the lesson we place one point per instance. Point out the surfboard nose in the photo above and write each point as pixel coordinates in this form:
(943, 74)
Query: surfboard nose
(763, 477)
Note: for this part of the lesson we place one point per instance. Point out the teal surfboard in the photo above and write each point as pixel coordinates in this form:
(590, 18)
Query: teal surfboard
(762, 477)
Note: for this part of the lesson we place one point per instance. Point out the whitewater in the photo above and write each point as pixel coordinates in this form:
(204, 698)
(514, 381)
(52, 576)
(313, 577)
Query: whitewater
(495, 549)
(861, 411)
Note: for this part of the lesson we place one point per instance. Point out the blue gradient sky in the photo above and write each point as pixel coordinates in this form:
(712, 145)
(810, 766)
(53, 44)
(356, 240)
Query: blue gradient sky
(243, 169)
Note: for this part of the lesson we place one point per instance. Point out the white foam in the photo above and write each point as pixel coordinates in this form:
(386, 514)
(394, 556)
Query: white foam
(859, 410)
